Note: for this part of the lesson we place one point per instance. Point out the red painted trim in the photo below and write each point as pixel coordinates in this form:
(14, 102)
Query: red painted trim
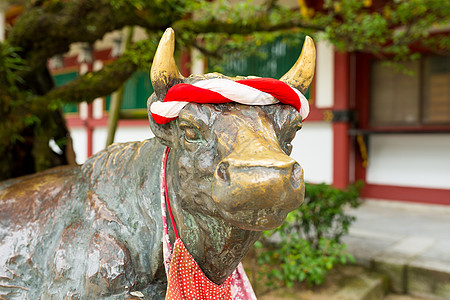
(75, 121)
(362, 95)
(425, 128)
(341, 81)
(341, 139)
(362, 89)
(312, 93)
(64, 70)
(89, 139)
(89, 131)
(140, 122)
(99, 122)
(315, 114)
(103, 55)
(185, 63)
(12, 13)
(341, 155)
(410, 194)
(71, 62)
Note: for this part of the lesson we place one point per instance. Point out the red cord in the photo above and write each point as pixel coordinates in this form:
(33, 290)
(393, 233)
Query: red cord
(166, 154)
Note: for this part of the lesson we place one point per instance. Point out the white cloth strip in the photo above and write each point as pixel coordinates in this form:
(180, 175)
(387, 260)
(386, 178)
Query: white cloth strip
(304, 105)
(167, 109)
(236, 92)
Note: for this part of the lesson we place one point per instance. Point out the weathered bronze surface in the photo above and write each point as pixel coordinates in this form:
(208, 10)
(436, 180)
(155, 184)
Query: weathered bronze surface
(95, 231)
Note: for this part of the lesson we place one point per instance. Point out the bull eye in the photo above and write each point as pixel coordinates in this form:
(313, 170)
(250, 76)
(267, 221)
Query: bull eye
(192, 135)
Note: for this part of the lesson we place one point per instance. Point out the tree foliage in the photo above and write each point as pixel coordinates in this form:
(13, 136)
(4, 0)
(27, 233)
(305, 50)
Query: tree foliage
(30, 104)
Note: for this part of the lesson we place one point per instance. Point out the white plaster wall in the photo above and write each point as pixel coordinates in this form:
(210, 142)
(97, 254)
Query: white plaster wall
(2, 23)
(324, 75)
(79, 136)
(99, 139)
(123, 134)
(135, 133)
(415, 160)
(313, 150)
(197, 62)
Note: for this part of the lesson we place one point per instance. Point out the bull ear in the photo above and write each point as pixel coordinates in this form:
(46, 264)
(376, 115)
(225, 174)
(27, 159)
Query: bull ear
(164, 72)
(166, 133)
(301, 74)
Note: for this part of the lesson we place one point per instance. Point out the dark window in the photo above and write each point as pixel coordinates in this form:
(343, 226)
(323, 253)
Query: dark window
(275, 59)
(420, 98)
(437, 90)
(136, 92)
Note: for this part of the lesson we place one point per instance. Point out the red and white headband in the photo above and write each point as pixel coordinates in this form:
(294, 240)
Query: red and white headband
(255, 91)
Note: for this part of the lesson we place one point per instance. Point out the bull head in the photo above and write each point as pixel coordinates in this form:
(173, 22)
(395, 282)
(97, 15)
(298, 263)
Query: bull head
(232, 154)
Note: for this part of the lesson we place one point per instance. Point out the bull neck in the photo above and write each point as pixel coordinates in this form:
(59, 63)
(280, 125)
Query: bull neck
(204, 258)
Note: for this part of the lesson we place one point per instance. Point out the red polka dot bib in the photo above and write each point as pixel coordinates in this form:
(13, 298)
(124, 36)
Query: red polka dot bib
(185, 279)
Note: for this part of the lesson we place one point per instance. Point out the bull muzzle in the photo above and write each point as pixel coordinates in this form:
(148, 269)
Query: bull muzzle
(257, 191)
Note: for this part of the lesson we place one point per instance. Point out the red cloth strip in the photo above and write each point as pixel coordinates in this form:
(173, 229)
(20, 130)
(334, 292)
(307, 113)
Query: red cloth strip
(278, 89)
(184, 92)
(166, 193)
(161, 120)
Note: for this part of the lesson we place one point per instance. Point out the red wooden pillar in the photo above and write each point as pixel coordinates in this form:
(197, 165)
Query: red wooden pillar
(86, 66)
(341, 139)
(362, 83)
(89, 131)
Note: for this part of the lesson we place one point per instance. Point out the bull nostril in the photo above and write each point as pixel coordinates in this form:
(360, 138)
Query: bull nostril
(222, 171)
(296, 175)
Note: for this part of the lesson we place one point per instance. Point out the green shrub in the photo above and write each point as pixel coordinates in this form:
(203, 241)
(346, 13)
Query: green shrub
(309, 244)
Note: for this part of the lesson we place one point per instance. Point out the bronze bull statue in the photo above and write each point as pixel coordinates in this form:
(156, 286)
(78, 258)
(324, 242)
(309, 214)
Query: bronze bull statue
(95, 231)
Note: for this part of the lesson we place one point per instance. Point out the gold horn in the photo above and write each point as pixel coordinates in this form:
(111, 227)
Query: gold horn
(164, 72)
(302, 73)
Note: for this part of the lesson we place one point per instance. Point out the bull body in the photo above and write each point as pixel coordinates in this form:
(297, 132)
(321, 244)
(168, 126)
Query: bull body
(87, 232)
(94, 231)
